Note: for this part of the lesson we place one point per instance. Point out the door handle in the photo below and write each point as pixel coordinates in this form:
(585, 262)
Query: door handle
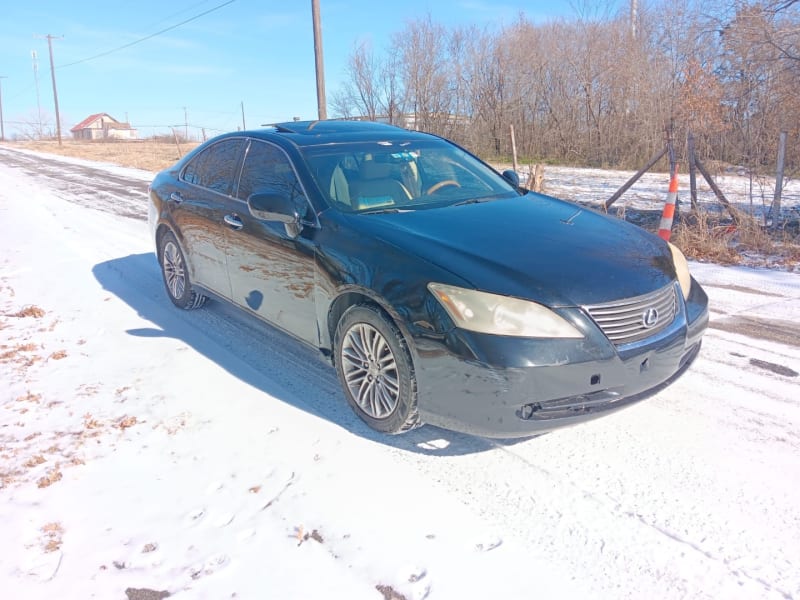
(176, 197)
(233, 221)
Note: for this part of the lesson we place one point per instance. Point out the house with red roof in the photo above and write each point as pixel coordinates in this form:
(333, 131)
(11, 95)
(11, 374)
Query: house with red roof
(103, 126)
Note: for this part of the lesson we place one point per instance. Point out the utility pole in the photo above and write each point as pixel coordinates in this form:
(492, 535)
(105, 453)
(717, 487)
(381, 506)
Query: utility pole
(2, 125)
(185, 125)
(35, 58)
(320, 69)
(776, 201)
(634, 17)
(50, 39)
(244, 127)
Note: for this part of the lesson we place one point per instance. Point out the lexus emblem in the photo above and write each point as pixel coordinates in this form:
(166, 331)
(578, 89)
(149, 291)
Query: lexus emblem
(649, 318)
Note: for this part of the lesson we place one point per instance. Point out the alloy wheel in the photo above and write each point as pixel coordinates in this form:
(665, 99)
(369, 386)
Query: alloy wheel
(370, 371)
(174, 273)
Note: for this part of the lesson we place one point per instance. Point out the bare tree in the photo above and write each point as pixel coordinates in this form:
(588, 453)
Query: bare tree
(36, 126)
(360, 93)
(586, 90)
(422, 46)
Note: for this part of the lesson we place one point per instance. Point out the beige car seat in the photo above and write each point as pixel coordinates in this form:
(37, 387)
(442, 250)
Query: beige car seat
(376, 187)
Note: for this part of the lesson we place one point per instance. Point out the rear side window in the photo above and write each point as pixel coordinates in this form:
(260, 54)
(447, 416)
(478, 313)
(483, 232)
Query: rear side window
(215, 167)
(267, 169)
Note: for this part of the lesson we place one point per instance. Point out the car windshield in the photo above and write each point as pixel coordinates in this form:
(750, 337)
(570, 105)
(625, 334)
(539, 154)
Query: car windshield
(402, 175)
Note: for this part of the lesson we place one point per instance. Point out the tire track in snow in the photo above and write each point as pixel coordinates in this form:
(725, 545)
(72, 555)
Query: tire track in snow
(92, 187)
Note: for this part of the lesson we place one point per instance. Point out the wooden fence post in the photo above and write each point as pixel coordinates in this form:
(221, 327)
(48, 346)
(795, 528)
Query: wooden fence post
(537, 173)
(514, 149)
(692, 171)
(175, 135)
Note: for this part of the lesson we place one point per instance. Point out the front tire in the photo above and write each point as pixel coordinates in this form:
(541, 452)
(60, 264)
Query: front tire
(176, 274)
(375, 370)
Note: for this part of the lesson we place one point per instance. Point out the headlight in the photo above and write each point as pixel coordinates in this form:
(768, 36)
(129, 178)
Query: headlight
(682, 270)
(501, 315)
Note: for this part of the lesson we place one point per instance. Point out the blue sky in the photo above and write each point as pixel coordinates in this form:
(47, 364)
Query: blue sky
(256, 52)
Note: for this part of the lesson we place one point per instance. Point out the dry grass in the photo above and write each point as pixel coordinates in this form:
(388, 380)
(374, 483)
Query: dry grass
(124, 422)
(34, 461)
(30, 397)
(29, 311)
(16, 354)
(89, 422)
(703, 237)
(53, 532)
(149, 155)
(50, 478)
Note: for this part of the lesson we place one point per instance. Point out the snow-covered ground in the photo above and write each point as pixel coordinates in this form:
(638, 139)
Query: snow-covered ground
(594, 186)
(206, 455)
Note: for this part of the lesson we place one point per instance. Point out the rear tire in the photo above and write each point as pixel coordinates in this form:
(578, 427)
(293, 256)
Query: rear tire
(375, 370)
(176, 274)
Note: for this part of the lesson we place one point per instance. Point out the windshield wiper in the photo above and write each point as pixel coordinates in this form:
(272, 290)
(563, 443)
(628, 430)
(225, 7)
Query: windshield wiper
(479, 199)
(379, 211)
(471, 201)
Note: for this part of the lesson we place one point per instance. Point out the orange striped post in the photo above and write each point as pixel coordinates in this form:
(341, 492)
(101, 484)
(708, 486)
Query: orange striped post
(665, 227)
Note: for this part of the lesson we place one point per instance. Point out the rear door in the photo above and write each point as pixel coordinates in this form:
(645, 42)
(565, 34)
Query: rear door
(199, 210)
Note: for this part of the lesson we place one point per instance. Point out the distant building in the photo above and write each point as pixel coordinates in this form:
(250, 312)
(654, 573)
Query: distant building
(103, 126)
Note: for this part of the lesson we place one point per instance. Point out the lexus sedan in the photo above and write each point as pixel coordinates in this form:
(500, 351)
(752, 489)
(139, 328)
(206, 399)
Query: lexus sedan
(441, 290)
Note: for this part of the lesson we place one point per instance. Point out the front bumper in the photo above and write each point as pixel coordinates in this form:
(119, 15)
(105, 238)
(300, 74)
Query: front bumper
(501, 387)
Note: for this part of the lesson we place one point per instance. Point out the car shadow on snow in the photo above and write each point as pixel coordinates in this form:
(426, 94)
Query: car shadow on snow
(263, 357)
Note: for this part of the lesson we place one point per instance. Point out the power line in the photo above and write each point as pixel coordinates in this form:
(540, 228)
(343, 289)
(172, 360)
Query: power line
(176, 14)
(147, 37)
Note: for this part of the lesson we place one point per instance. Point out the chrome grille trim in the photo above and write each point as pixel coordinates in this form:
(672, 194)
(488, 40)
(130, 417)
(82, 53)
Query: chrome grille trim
(623, 320)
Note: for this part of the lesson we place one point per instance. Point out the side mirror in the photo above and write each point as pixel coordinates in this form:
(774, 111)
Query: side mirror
(270, 206)
(277, 207)
(511, 177)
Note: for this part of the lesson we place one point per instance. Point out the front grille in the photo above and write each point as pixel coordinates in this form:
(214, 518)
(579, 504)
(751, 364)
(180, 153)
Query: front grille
(630, 320)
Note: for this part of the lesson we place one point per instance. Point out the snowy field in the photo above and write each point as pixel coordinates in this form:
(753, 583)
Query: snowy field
(595, 186)
(202, 454)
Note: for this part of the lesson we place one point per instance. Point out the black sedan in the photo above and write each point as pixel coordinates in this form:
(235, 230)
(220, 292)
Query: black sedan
(442, 291)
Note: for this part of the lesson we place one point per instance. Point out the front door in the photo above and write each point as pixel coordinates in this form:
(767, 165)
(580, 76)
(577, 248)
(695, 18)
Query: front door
(271, 273)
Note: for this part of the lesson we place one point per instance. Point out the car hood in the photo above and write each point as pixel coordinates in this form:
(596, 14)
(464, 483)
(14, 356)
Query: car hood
(533, 247)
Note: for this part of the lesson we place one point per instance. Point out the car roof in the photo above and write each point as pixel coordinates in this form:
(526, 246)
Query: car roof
(313, 133)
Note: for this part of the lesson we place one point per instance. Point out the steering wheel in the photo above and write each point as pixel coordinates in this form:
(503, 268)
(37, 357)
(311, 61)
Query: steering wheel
(437, 186)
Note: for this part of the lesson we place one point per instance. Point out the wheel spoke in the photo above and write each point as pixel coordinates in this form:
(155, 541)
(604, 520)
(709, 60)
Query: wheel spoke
(376, 341)
(387, 361)
(369, 341)
(373, 393)
(385, 399)
(355, 376)
(391, 384)
(358, 343)
(354, 357)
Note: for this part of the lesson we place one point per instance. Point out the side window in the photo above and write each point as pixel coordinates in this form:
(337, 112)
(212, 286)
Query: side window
(266, 167)
(215, 167)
